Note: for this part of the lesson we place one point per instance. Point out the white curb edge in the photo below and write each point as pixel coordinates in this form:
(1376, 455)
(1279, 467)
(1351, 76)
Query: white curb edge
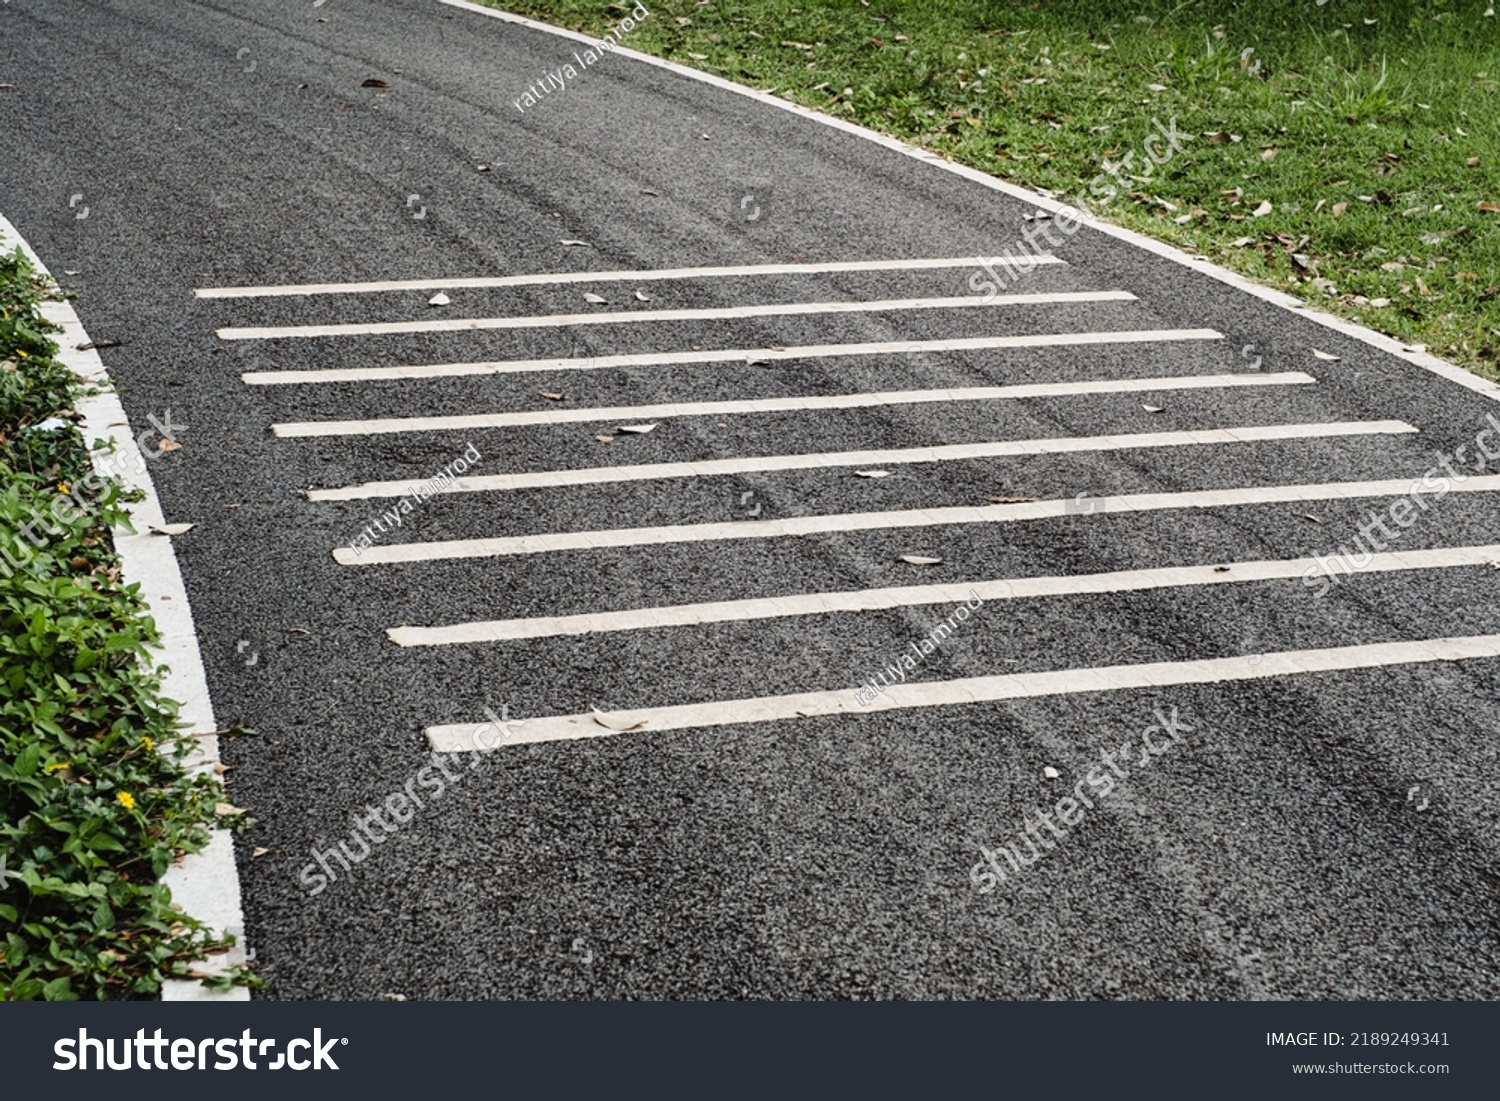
(1450, 371)
(206, 884)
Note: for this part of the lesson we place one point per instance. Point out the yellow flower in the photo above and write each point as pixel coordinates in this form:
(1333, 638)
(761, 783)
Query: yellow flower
(21, 352)
(55, 768)
(126, 799)
(62, 487)
(148, 743)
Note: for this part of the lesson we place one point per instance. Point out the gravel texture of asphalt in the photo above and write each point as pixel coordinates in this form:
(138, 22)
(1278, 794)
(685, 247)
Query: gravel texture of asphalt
(1310, 833)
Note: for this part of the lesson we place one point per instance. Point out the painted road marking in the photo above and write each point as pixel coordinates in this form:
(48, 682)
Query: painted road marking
(547, 479)
(462, 737)
(553, 278)
(636, 317)
(730, 355)
(869, 600)
(782, 405)
(881, 521)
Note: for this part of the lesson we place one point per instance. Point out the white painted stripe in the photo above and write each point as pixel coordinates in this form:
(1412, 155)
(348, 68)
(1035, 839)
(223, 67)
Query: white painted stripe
(882, 521)
(869, 600)
(463, 737)
(1197, 262)
(556, 415)
(563, 277)
(546, 479)
(636, 317)
(728, 355)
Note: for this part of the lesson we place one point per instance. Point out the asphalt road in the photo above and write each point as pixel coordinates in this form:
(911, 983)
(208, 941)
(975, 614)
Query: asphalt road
(1325, 827)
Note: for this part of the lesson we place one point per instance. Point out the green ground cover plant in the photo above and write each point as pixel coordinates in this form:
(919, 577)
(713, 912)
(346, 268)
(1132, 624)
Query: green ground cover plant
(95, 799)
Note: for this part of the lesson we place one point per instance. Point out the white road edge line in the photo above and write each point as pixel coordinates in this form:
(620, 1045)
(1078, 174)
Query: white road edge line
(870, 600)
(503, 546)
(296, 429)
(1450, 371)
(554, 278)
(705, 468)
(205, 883)
(728, 355)
(459, 738)
(637, 317)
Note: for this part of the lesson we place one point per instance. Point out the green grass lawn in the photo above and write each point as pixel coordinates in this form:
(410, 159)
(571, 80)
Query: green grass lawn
(1346, 152)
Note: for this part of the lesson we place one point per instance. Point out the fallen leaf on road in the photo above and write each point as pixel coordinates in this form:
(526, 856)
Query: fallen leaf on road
(170, 529)
(1050, 773)
(594, 298)
(637, 429)
(569, 241)
(919, 560)
(1152, 408)
(1326, 356)
(605, 439)
(1221, 569)
(642, 297)
(550, 396)
(169, 445)
(616, 722)
(373, 83)
(873, 473)
(1310, 516)
(439, 299)
(259, 850)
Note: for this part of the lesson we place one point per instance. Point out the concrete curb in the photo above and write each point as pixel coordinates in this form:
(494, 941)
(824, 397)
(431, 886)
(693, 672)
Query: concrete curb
(206, 883)
(1450, 371)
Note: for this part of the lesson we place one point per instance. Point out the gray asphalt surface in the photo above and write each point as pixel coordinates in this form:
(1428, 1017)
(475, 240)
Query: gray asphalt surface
(1277, 852)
